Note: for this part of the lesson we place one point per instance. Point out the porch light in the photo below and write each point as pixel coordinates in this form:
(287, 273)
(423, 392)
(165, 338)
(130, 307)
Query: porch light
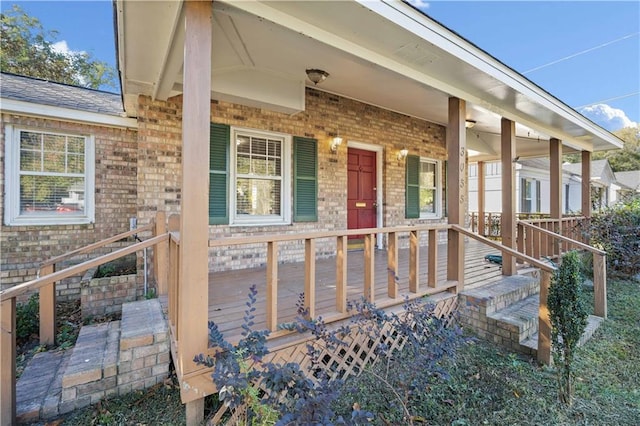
(469, 123)
(403, 154)
(335, 143)
(316, 75)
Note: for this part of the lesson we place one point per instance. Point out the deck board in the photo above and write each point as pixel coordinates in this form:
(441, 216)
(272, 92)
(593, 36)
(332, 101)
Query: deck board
(228, 291)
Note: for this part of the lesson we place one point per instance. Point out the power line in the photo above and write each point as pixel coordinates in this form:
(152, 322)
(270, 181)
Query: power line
(610, 99)
(582, 52)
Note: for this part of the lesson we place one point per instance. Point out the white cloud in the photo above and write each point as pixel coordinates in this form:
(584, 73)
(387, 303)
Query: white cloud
(420, 4)
(610, 118)
(62, 47)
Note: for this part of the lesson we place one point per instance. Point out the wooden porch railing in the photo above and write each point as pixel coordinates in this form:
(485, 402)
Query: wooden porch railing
(45, 284)
(490, 224)
(538, 242)
(546, 270)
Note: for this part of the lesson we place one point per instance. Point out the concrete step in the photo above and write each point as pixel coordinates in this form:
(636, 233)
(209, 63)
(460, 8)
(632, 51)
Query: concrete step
(499, 295)
(39, 388)
(93, 366)
(518, 321)
(530, 345)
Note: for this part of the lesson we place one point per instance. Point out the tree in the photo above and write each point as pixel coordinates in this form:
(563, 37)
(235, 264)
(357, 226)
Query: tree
(627, 158)
(28, 49)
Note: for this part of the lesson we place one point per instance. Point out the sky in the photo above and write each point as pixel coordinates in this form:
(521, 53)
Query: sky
(585, 53)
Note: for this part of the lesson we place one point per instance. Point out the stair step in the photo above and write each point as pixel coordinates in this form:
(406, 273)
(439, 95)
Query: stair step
(519, 319)
(530, 345)
(499, 295)
(40, 385)
(95, 355)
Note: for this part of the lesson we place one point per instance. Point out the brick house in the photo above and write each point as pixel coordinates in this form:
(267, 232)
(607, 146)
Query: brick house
(269, 119)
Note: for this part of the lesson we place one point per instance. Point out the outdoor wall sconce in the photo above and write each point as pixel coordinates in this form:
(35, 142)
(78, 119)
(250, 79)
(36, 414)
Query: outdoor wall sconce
(469, 123)
(335, 143)
(403, 154)
(316, 75)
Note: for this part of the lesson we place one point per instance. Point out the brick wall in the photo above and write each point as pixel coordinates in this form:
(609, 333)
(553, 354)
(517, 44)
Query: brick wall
(24, 247)
(159, 135)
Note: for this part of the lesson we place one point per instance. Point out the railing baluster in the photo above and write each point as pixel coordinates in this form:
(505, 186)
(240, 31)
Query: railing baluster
(544, 322)
(310, 276)
(341, 273)
(8, 361)
(272, 286)
(520, 241)
(432, 268)
(369, 266)
(161, 255)
(600, 284)
(414, 261)
(47, 308)
(392, 265)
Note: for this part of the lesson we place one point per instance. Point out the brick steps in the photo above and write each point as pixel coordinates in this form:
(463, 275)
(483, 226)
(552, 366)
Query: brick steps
(108, 359)
(520, 319)
(593, 322)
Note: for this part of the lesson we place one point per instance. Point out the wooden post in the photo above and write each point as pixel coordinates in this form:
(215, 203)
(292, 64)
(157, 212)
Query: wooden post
(520, 239)
(432, 268)
(8, 362)
(555, 156)
(161, 255)
(457, 189)
(341, 274)
(47, 308)
(173, 225)
(310, 276)
(272, 286)
(586, 184)
(481, 198)
(369, 267)
(508, 217)
(414, 261)
(544, 322)
(600, 284)
(193, 284)
(392, 265)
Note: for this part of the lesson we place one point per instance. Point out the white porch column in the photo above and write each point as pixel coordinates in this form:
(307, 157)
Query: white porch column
(586, 184)
(508, 222)
(457, 188)
(193, 282)
(481, 197)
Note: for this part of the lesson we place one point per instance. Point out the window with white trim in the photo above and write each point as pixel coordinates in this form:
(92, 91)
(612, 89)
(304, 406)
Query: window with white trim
(430, 188)
(260, 178)
(50, 177)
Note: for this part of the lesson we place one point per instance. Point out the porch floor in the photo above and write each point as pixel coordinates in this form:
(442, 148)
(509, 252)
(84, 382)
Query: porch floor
(228, 291)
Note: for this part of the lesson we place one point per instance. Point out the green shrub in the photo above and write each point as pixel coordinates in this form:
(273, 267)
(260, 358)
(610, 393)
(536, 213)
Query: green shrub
(617, 231)
(27, 319)
(568, 314)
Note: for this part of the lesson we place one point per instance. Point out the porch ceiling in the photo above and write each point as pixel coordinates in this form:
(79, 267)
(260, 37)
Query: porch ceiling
(383, 53)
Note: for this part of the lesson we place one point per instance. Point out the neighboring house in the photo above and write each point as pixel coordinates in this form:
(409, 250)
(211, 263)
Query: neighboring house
(533, 186)
(629, 182)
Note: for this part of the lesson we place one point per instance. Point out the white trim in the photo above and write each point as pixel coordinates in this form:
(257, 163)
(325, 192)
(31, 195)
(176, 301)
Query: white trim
(66, 114)
(379, 150)
(285, 196)
(12, 215)
(438, 195)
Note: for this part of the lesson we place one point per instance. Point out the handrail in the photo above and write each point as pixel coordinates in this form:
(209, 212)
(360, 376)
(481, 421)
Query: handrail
(562, 238)
(549, 219)
(102, 243)
(532, 261)
(231, 241)
(81, 267)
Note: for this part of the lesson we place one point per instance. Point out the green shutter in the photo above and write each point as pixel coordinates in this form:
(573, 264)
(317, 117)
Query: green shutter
(305, 181)
(412, 191)
(219, 174)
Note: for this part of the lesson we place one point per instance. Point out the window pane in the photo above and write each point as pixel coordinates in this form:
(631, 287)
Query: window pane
(427, 175)
(30, 141)
(243, 164)
(75, 163)
(243, 144)
(258, 197)
(30, 161)
(47, 195)
(427, 200)
(258, 146)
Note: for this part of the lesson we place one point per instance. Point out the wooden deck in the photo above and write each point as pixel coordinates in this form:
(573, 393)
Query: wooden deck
(228, 291)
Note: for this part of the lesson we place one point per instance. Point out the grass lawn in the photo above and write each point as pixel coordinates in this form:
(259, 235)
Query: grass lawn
(488, 385)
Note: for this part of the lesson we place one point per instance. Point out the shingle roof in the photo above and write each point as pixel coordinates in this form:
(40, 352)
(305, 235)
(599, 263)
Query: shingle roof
(597, 168)
(44, 92)
(630, 179)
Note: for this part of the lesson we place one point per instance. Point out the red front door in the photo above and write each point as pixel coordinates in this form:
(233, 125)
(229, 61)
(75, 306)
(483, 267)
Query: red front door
(361, 191)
